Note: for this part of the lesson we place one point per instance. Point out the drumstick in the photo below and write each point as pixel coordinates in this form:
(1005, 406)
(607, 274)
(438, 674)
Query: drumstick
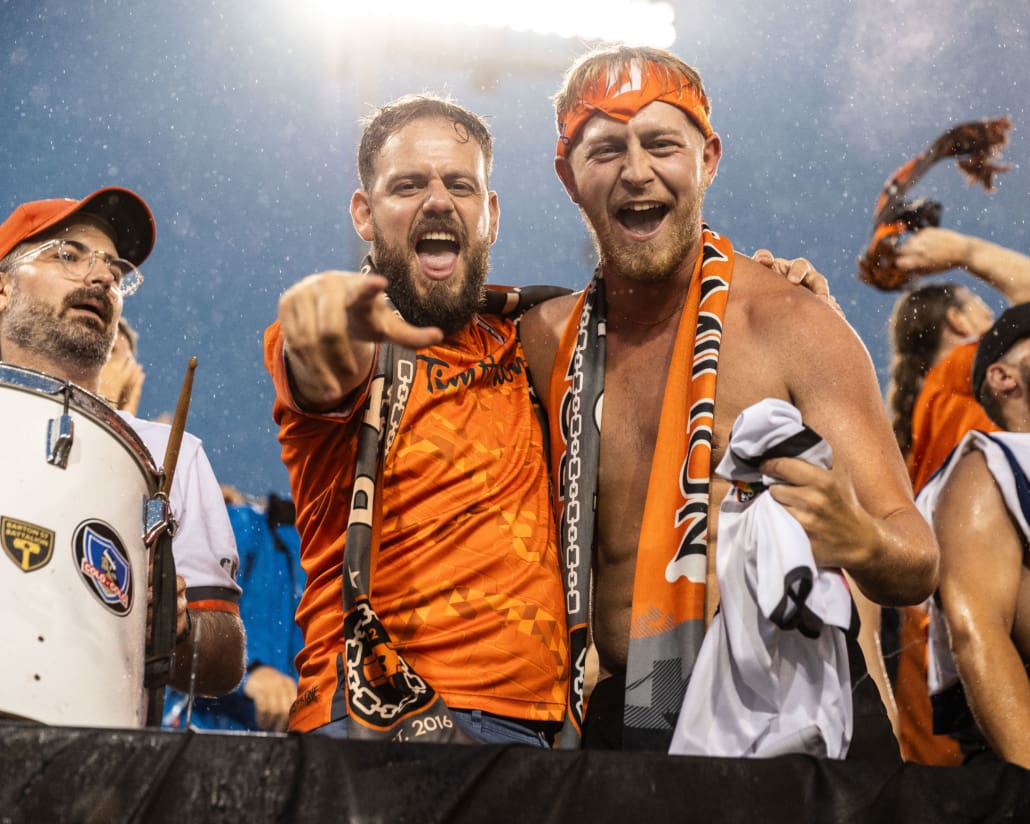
(182, 409)
(160, 646)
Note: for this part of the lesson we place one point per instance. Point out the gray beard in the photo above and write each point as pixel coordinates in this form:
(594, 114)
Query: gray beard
(38, 327)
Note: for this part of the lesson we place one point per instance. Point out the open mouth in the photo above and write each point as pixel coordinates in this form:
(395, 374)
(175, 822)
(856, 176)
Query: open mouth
(642, 218)
(438, 253)
(97, 310)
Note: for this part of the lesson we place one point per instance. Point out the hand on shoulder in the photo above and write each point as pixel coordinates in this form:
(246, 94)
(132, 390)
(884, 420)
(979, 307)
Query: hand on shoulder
(800, 272)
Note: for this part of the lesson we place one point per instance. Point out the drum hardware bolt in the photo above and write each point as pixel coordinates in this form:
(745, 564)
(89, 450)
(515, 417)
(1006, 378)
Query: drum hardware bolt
(61, 434)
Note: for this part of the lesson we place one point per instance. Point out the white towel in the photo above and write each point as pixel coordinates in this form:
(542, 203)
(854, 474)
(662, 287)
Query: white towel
(772, 675)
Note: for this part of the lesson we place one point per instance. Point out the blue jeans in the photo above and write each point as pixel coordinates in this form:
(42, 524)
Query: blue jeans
(486, 729)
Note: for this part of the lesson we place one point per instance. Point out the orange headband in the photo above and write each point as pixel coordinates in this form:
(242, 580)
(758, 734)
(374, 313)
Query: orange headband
(620, 97)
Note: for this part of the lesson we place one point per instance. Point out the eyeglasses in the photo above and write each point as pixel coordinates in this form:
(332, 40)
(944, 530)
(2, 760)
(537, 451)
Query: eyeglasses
(78, 261)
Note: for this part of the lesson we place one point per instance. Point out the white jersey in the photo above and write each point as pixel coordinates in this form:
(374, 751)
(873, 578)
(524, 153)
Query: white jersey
(204, 547)
(772, 675)
(1008, 458)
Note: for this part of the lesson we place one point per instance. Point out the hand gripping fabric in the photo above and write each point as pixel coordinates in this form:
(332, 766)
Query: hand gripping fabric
(772, 676)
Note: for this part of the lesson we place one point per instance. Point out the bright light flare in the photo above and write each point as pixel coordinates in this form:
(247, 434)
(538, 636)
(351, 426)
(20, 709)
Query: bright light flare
(633, 22)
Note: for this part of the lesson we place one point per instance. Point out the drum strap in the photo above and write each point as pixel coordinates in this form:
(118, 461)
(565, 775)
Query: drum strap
(160, 645)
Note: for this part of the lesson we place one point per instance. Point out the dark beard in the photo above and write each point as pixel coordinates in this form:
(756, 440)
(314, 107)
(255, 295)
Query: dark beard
(436, 305)
(38, 327)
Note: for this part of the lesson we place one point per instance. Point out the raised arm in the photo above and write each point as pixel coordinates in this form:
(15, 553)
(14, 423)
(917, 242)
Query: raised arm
(937, 250)
(860, 515)
(330, 323)
(981, 572)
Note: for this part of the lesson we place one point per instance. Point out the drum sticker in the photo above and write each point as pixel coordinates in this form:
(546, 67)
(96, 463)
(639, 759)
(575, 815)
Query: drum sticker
(104, 565)
(30, 547)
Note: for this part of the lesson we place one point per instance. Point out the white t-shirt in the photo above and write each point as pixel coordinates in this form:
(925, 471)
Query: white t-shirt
(203, 546)
(1008, 458)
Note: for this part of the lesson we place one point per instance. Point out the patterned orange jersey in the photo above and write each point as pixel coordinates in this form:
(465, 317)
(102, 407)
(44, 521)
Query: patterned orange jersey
(944, 412)
(466, 578)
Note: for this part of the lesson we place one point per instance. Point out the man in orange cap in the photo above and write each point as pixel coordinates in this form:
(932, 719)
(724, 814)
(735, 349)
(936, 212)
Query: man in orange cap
(65, 268)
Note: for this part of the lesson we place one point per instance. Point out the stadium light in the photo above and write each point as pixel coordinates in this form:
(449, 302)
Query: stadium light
(633, 22)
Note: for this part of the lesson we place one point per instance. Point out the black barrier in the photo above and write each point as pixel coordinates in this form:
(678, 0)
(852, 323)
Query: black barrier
(79, 775)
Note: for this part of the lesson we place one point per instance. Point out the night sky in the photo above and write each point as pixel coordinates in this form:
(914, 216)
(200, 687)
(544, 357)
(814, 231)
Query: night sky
(237, 122)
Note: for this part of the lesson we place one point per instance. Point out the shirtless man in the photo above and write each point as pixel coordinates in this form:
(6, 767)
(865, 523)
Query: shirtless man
(636, 153)
(476, 488)
(982, 527)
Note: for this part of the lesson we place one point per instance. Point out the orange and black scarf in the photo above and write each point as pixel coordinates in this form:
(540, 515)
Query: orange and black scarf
(975, 143)
(668, 615)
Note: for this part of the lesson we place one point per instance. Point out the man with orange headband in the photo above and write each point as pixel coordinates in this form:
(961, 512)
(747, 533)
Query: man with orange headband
(636, 152)
(433, 604)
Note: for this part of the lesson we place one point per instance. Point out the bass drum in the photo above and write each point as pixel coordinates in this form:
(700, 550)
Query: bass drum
(73, 492)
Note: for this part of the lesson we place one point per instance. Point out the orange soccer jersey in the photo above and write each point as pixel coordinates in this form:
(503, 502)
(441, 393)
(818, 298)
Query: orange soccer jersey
(945, 411)
(466, 578)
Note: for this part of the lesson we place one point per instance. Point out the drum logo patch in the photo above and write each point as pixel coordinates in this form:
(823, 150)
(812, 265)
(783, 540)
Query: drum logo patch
(30, 547)
(104, 565)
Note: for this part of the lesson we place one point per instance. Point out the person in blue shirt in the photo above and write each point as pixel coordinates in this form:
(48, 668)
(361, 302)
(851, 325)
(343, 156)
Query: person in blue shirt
(272, 581)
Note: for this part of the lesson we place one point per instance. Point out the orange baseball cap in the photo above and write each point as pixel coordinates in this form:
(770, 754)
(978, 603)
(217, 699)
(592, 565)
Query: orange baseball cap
(125, 212)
